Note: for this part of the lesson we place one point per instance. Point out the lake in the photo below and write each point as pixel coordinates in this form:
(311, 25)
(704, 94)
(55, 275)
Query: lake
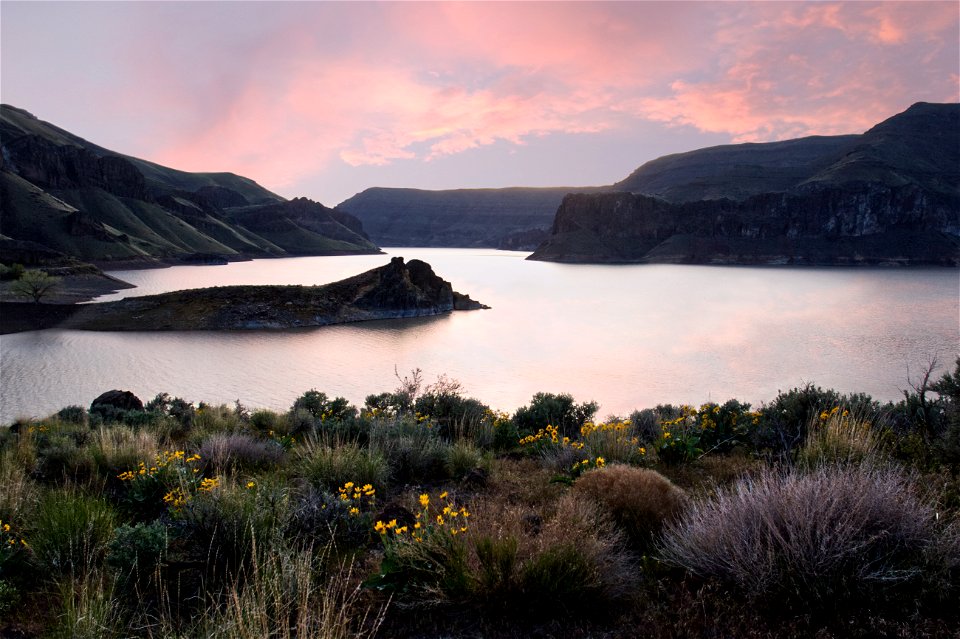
(626, 336)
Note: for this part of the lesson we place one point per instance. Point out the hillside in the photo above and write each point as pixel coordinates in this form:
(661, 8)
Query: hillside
(889, 196)
(71, 196)
(489, 218)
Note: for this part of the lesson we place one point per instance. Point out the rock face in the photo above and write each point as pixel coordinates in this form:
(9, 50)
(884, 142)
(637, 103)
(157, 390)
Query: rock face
(395, 290)
(71, 196)
(890, 196)
(469, 218)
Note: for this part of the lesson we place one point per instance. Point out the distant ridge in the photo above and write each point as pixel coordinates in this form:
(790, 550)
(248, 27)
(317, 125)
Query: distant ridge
(888, 196)
(514, 218)
(74, 197)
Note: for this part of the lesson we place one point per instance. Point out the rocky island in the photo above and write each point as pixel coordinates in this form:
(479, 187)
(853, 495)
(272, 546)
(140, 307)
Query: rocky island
(395, 290)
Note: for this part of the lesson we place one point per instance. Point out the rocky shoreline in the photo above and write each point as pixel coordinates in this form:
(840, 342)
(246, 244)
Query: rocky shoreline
(396, 290)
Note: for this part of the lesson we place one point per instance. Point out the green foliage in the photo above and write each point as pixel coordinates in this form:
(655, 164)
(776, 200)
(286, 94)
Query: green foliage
(73, 415)
(34, 285)
(320, 516)
(783, 423)
(554, 410)
(12, 272)
(328, 467)
(9, 597)
(70, 532)
(462, 458)
(136, 551)
(323, 408)
(497, 582)
(230, 522)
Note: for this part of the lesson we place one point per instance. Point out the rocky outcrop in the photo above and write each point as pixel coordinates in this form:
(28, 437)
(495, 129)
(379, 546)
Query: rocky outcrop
(395, 290)
(890, 196)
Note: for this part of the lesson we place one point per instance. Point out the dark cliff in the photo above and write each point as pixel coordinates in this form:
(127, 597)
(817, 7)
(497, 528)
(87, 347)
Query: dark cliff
(889, 196)
(480, 218)
(74, 197)
(394, 290)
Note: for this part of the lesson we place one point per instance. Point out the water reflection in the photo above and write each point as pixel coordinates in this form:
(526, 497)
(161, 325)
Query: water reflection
(626, 336)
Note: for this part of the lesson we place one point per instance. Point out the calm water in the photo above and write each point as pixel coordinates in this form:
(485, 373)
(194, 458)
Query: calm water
(626, 336)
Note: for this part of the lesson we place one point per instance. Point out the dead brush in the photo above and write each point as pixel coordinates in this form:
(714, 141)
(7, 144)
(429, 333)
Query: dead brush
(641, 501)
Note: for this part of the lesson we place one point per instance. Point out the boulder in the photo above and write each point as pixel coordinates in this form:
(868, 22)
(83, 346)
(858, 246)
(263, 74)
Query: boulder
(119, 399)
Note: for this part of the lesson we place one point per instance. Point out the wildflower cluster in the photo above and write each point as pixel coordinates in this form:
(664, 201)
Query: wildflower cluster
(826, 415)
(170, 478)
(357, 497)
(9, 538)
(614, 438)
(448, 519)
(549, 437)
(586, 464)
(679, 437)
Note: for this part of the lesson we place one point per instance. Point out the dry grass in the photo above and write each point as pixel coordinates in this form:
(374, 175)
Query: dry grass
(837, 535)
(639, 500)
(235, 451)
(285, 596)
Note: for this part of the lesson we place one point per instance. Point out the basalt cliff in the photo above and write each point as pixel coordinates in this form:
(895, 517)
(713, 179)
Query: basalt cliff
(395, 290)
(889, 196)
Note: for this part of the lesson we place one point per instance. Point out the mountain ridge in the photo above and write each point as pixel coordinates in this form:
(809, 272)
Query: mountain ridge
(72, 196)
(888, 196)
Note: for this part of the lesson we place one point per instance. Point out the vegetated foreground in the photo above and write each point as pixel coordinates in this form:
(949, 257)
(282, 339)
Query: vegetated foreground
(424, 513)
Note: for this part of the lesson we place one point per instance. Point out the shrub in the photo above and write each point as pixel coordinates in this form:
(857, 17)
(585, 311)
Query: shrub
(73, 415)
(320, 516)
(641, 501)
(119, 448)
(414, 451)
(232, 452)
(70, 532)
(782, 425)
(838, 437)
(462, 457)
(322, 408)
(577, 565)
(555, 410)
(265, 421)
(329, 467)
(451, 411)
(832, 538)
(136, 551)
(228, 523)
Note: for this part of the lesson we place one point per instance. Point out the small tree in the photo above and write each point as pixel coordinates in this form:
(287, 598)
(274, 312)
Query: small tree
(34, 284)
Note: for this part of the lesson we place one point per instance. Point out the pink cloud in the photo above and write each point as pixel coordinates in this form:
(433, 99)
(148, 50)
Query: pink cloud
(315, 84)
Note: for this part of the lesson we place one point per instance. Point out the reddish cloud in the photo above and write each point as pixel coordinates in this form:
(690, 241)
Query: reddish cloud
(281, 91)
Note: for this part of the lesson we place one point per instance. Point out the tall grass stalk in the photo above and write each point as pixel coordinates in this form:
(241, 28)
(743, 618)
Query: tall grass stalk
(283, 596)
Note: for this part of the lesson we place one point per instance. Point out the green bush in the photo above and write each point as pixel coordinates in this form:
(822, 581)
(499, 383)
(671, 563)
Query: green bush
(226, 525)
(136, 551)
(70, 531)
(329, 467)
(554, 410)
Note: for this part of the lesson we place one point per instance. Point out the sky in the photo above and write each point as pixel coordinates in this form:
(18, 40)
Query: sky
(325, 99)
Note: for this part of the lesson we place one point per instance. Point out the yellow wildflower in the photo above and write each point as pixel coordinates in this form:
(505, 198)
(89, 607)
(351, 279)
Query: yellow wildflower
(424, 500)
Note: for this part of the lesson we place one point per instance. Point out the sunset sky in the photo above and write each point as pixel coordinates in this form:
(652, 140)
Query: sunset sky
(326, 99)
